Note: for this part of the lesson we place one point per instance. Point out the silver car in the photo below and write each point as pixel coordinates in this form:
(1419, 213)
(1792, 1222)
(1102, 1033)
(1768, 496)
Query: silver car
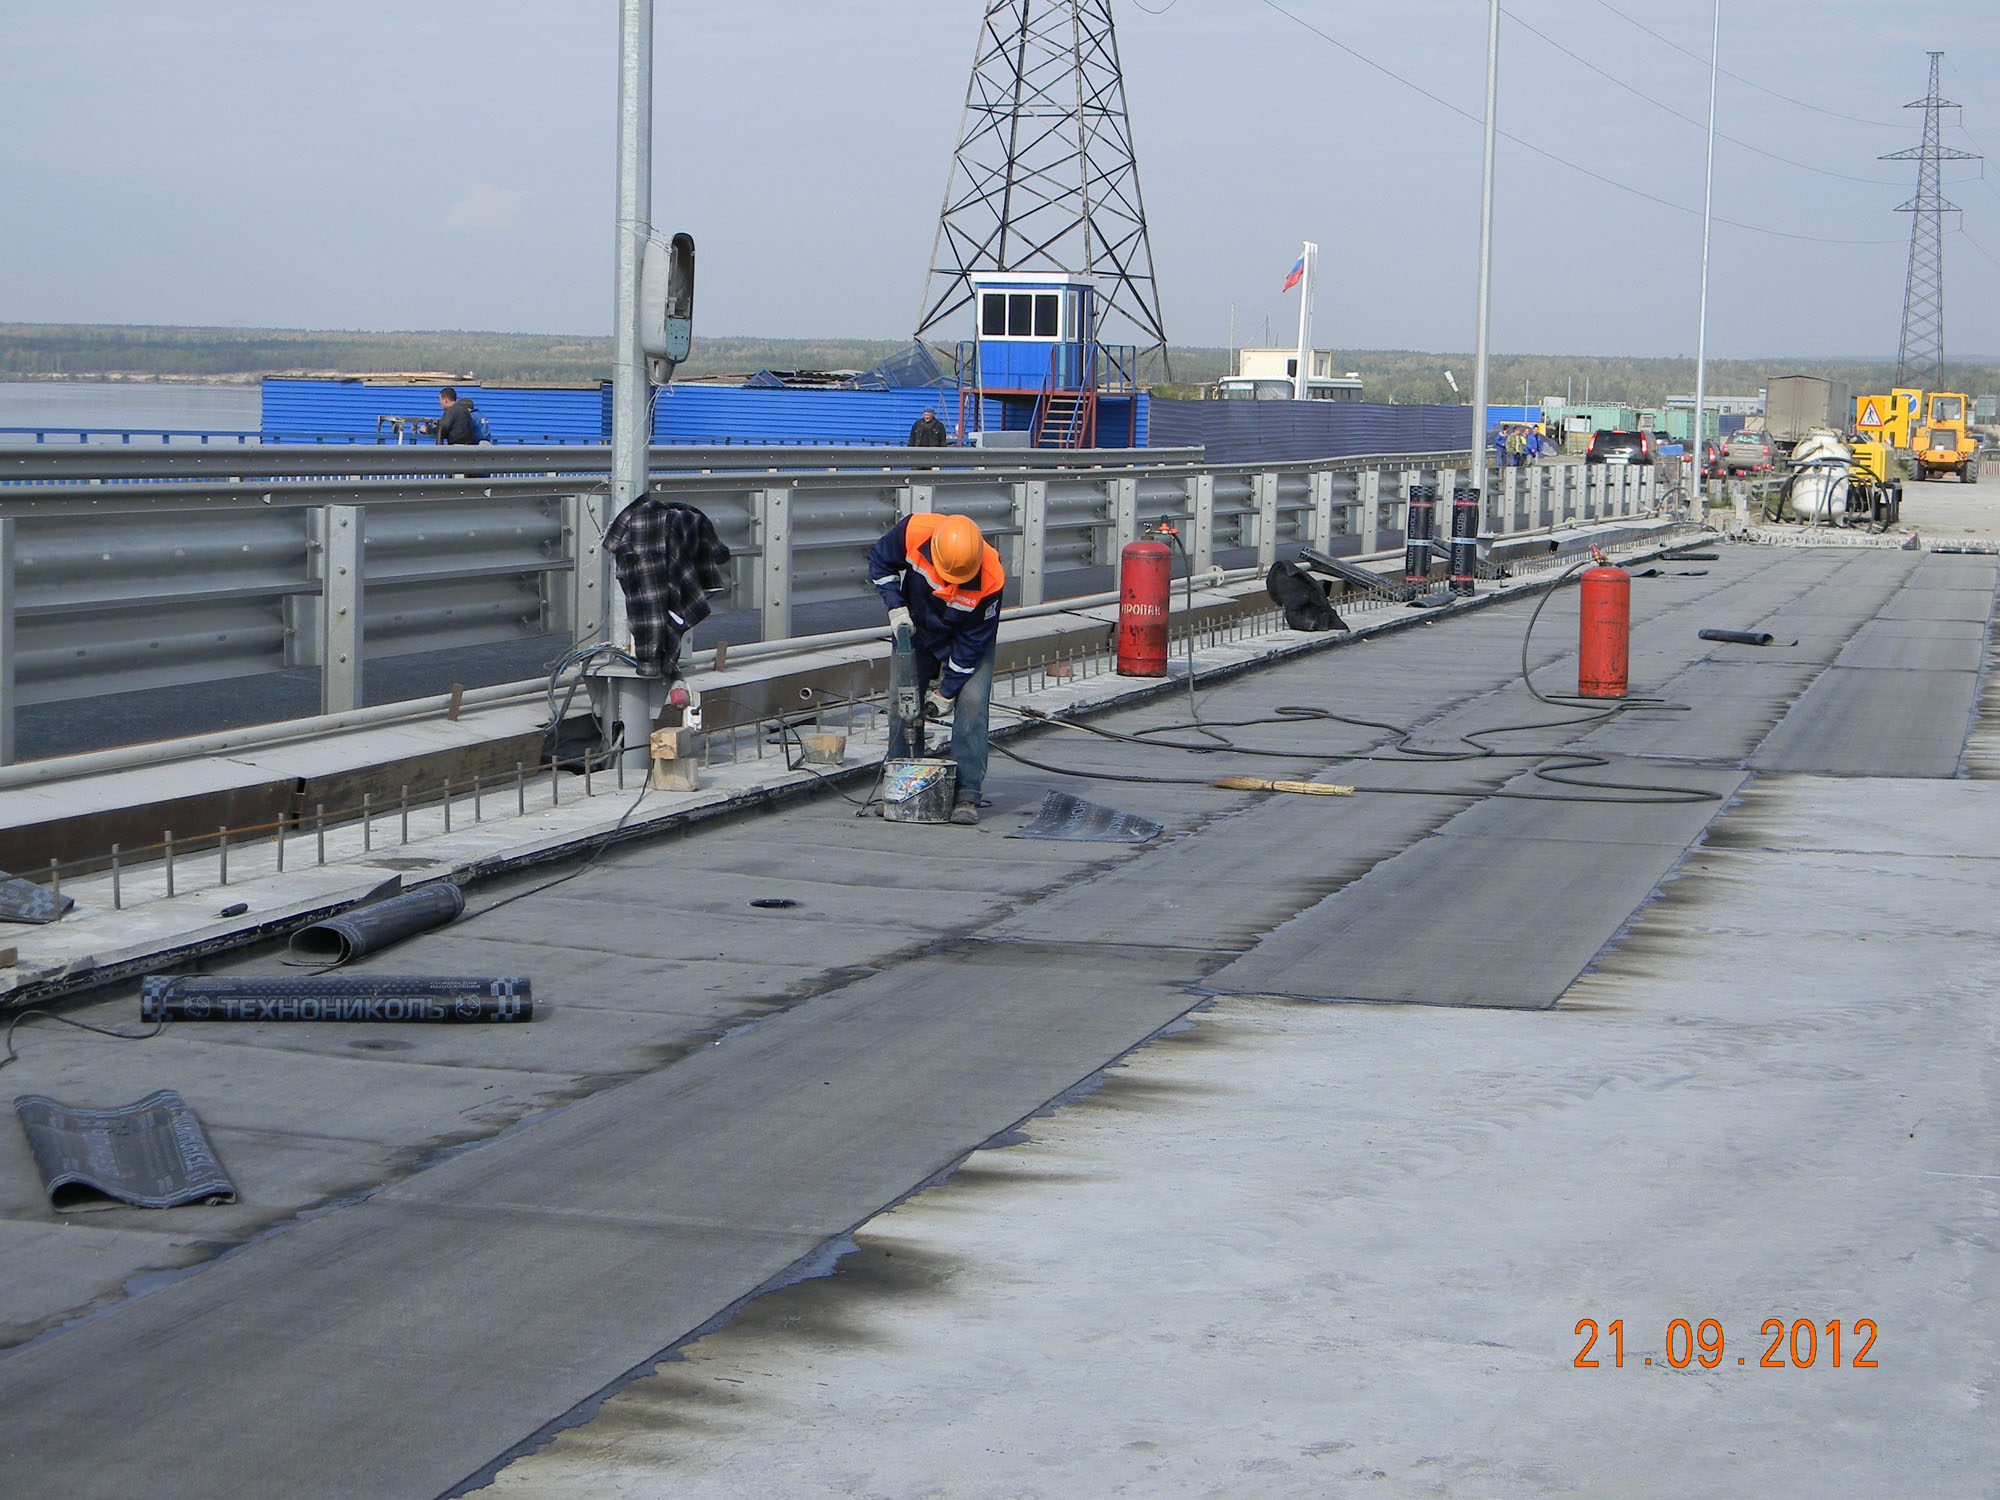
(1750, 453)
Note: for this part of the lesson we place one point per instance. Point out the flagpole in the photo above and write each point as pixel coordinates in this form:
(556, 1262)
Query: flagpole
(1303, 369)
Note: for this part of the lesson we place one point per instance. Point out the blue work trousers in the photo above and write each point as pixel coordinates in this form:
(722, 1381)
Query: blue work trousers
(969, 712)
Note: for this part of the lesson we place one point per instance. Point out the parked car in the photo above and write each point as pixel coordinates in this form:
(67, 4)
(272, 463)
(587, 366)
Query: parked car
(1750, 453)
(1610, 445)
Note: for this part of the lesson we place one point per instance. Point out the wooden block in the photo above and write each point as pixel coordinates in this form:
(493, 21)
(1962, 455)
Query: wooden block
(9, 957)
(675, 776)
(672, 744)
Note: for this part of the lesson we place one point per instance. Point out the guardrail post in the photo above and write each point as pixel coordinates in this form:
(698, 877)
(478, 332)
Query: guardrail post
(1267, 521)
(1201, 513)
(1368, 486)
(585, 518)
(1031, 514)
(1125, 506)
(342, 541)
(1322, 511)
(6, 640)
(915, 500)
(774, 571)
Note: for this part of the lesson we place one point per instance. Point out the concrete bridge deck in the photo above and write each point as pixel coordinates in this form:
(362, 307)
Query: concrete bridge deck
(1289, 1245)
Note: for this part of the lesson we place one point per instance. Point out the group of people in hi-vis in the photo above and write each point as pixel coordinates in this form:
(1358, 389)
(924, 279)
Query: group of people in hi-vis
(1520, 442)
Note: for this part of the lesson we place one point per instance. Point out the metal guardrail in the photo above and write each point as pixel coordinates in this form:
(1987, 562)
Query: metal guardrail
(58, 436)
(133, 568)
(118, 464)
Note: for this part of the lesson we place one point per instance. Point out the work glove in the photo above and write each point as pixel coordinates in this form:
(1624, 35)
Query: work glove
(899, 619)
(936, 705)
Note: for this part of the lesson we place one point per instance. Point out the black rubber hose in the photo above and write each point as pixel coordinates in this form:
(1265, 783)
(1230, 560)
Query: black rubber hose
(367, 929)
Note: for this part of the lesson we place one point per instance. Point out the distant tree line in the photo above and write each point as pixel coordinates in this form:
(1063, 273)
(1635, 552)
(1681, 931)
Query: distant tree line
(29, 350)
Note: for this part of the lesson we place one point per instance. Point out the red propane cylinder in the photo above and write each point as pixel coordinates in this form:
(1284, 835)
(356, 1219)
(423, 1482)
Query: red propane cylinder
(1145, 584)
(1604, 633)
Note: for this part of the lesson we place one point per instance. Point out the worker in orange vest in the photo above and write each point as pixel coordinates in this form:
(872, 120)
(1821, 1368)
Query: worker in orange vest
(941, 581)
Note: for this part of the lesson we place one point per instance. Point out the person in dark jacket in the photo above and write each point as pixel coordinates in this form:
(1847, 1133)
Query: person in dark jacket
(928, 431)
(454, 423)
(941, 581)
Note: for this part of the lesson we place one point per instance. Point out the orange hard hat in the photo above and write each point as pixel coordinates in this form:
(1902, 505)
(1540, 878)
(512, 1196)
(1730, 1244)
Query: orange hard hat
(957, 549)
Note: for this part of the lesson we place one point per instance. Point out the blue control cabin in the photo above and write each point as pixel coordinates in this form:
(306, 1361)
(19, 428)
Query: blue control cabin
(1036, 376)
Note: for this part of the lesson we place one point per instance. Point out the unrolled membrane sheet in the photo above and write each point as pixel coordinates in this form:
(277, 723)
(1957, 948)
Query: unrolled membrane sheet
(24, 901)
(152, 1154)
(1065, 817)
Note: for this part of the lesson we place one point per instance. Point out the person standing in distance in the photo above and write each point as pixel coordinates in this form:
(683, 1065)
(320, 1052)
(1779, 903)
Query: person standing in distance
(941, 581)
(927, 431)
(454, 423)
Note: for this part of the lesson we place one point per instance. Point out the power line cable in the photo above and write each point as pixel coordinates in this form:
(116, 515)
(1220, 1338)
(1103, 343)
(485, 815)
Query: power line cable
(1561, 161)
(1738, 77)
(1804, 166)
(1977, 246)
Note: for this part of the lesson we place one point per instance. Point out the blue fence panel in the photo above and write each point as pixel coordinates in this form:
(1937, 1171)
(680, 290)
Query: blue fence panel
(310, 410)
(738, 414)
(349, 410)
(1242, 432)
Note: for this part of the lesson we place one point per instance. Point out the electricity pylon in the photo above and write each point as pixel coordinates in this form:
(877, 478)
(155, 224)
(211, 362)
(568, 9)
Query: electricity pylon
(1044, 177)
(1920, 355)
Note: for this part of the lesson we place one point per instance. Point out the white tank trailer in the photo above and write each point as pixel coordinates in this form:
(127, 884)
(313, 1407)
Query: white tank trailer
(1822, 474)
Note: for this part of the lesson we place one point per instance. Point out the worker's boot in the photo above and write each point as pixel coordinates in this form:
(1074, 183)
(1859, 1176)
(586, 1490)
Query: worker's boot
(965, 812)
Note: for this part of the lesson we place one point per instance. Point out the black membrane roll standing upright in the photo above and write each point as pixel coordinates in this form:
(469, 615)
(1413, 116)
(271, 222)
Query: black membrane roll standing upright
(344, 997)
(1464, 538)
(1417, 535)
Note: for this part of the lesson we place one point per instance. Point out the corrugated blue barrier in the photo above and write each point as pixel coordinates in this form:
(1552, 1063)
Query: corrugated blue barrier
(1242, 432)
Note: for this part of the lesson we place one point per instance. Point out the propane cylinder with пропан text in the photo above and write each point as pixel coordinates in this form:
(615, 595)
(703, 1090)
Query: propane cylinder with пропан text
(1145, 586)
(1604, 633)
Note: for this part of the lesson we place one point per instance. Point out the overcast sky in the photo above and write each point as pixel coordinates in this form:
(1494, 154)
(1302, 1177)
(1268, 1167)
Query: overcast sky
(375, 165)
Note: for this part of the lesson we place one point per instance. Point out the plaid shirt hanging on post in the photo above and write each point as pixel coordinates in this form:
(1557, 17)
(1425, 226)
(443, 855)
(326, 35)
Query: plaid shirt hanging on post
(668, 558)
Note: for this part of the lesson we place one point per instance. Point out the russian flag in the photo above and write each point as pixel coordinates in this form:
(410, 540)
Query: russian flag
(1298, 273)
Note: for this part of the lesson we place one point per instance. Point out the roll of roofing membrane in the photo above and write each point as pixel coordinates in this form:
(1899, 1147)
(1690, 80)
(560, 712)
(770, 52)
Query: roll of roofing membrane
(367, 929)
(347, 997)
(1738, 637)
